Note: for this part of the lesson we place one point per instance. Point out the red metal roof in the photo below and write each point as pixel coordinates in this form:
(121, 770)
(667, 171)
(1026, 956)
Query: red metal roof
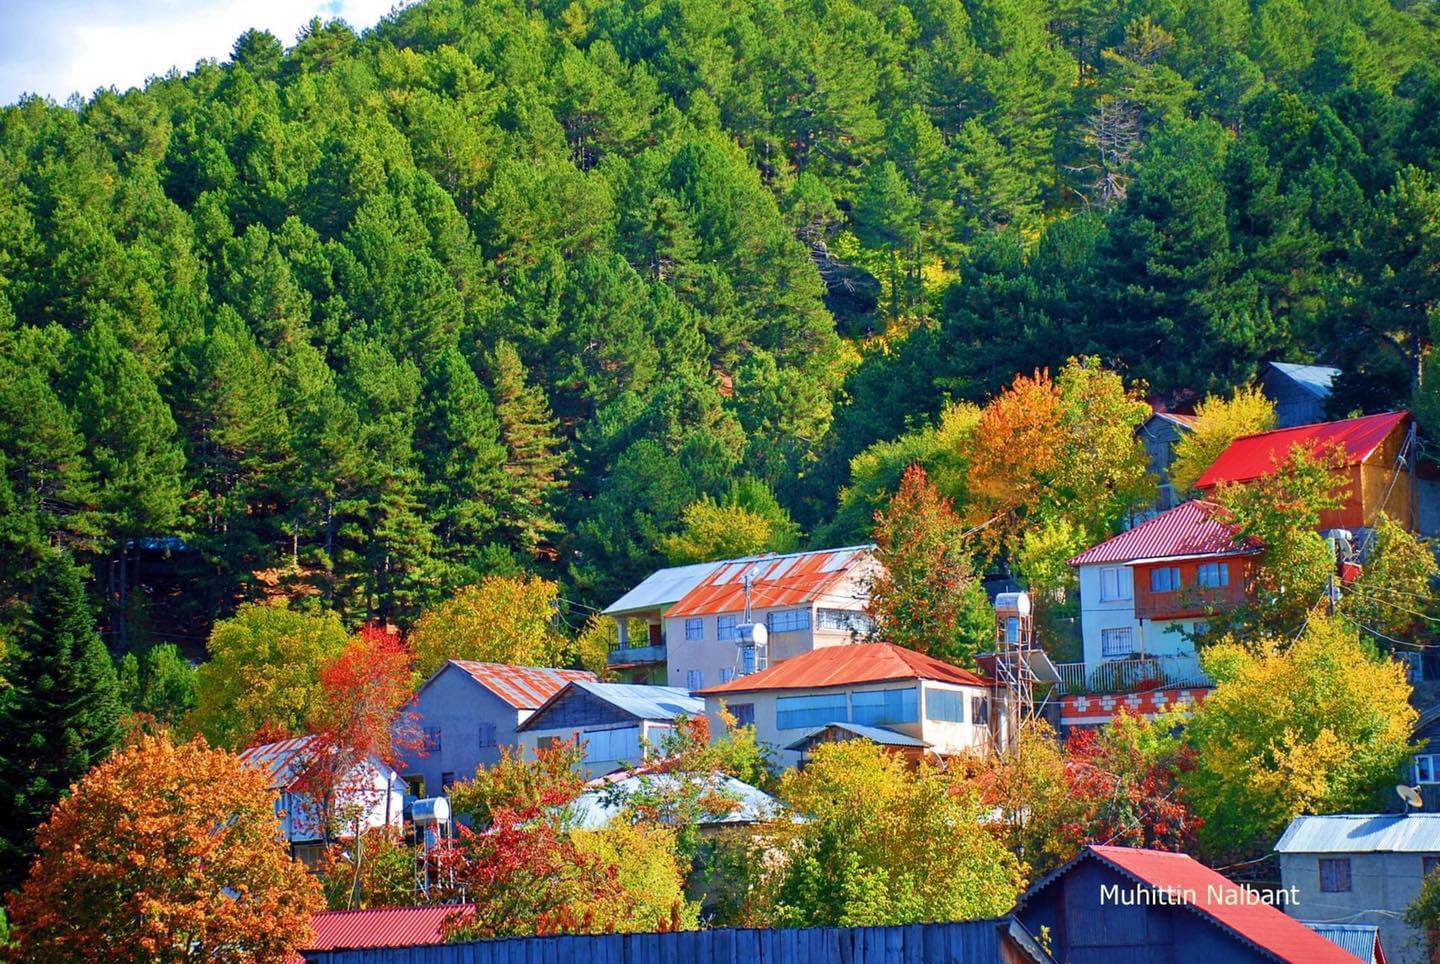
(523, 687)
(1253, 456)
(1189, 529)
(787, 580)
(383, 927)
(845, 666)
(1197, 887)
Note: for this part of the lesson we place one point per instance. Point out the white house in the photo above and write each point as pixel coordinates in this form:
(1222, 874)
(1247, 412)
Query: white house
(370, 795)
(911, 702)
(617, 722)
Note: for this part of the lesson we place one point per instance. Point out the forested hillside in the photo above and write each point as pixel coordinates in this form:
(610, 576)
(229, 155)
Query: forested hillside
(499, 286)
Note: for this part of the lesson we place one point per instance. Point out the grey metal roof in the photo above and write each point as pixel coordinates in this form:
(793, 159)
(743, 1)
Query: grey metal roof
(875, 734)
(595, 809)
(1315, 379)
(1358, 939)
(1362, 833)
(646, 702)
(661, 588)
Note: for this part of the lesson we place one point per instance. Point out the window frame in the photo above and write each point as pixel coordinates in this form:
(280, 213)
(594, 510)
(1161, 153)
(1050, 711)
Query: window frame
(896, 705)
(938, 701)
(725, 627)
(1339, 879)
(694, 628)
(1429, 759)
(1221, 571)
(744, 713)
(490, 730)
(799, 617)
(727, 674)
(694, 679)
(1109, 652)
(1171, 583)
(432, 738)
(820, 709)
(1118, 573)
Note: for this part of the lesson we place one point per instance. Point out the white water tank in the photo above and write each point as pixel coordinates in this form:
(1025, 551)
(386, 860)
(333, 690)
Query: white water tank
(1013, 603)
(431, 812)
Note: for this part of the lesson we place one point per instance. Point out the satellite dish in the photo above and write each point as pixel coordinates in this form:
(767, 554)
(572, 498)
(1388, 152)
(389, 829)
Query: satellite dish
(1411, 795)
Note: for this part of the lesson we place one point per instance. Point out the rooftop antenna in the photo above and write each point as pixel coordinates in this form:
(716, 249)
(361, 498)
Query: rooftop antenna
(1411, 796)
(753, 636)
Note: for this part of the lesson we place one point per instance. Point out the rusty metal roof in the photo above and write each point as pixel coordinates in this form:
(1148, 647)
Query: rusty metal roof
(846, 666)
(1188, 530)
(1253, 456)
(282, 760)
(383, 927)
(779, 580)
(523, 687)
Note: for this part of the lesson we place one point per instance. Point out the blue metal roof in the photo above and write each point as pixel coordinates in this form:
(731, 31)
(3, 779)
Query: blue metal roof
(876, 734)
(1363, 833)
(646, 702)
(1315, 379)
(595, 809)
(661, 588)
(1358, 939)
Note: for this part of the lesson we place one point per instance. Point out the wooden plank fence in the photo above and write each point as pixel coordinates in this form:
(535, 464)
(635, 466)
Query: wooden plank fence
(967, 942)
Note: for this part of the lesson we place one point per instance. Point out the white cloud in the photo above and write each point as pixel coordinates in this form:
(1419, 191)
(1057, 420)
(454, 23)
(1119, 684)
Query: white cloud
(58, 47)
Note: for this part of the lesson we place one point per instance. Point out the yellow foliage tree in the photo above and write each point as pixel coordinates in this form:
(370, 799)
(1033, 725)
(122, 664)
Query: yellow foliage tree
(1392, 595)
(1317, 727)
(165, 853)
(502, 619)
(715, 531)
(1218, 422)
(650, 874)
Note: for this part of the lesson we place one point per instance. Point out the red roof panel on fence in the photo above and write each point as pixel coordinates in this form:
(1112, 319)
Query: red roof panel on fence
(384, 927)
(1189, 529)
(1253, 456)
(845, 666)
(786, 580)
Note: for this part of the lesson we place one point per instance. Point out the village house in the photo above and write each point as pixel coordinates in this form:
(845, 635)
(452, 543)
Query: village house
(617, 723)
(1298, 392)
(1363, 868)
(466, 711)
(806, 600)
(1160, 433)
(368, 795)
(877, 691)
(1113, 904)
(1145, 592)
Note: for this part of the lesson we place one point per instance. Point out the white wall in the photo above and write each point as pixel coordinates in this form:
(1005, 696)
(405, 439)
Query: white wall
(375, 787)
(1152, 637)
(609, 746)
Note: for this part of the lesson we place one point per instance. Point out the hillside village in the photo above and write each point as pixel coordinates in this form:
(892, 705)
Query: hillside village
(686, 481)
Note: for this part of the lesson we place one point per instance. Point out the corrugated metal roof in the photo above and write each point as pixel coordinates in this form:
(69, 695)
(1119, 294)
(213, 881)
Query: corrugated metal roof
(637, 699)
(596, 808)
(1362, 940)
(1184, 421)
(1190, 884)
(1253, 456)
(1315, 379)
(282, 760)
(875, 734)
(786, 580)
(383, 927)
(661, 588)
(1190, 529)
(844, 666)
(523, 687)
(1410, 833)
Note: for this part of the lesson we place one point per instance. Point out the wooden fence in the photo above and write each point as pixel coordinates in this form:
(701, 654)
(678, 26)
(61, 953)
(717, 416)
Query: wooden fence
(969, 942)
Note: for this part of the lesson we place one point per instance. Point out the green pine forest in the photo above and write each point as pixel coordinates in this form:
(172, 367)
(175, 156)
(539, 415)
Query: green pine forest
(500, 287)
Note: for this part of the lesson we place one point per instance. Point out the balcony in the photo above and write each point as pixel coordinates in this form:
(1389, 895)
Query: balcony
(1132, 675)
(636, 655)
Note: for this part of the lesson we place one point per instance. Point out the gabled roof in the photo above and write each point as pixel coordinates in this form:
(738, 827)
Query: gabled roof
(661, 588)
(523, 687)
(875, 734)
(1254, 456)
(1187, 883)
(1362, 833)
(602, 802)
(845, 666)
(1362, 940)
(634, 699)
(1190, 529)
(1186, 422)
(282, 760)
(787, 580)
(382, 927)
(1314, 379)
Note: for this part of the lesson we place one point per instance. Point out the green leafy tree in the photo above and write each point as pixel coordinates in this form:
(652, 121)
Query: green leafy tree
(1218, 422)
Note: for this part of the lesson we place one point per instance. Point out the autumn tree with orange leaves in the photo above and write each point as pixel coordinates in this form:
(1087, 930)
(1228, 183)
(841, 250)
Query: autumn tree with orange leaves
(164, 853)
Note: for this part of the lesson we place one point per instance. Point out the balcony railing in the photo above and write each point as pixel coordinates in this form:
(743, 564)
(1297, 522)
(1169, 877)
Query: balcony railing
(636, 654)
(1132, 675)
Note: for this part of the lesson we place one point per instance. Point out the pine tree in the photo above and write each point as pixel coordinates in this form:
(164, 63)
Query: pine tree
(535, 460)
(62, 713)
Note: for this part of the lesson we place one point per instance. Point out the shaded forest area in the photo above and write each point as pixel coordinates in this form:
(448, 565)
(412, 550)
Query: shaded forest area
(500, 286)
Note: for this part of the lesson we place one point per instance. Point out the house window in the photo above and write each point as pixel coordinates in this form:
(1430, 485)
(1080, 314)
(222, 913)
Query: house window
(744, 714)
(694, 679)
(726, 674)
(1165, 579)
(843, 620)
(1200, 628)
(432, 739)
(415, 786)
(1112, 584)
(617, 745)
(1335, 875)
(1212, 575)
(1117, 642)
(1425, 768)
(797, 712)
(788, 621)
(447, 780)
(694, 629)
(725, 627)
(1428, 865)
(885, 706)
(947, 706)
(487, 735)
(980, 710)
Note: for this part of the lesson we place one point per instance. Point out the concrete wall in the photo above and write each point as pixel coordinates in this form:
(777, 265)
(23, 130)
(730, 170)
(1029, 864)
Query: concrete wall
(1379, 882)
(458, 705)
(945, 737)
